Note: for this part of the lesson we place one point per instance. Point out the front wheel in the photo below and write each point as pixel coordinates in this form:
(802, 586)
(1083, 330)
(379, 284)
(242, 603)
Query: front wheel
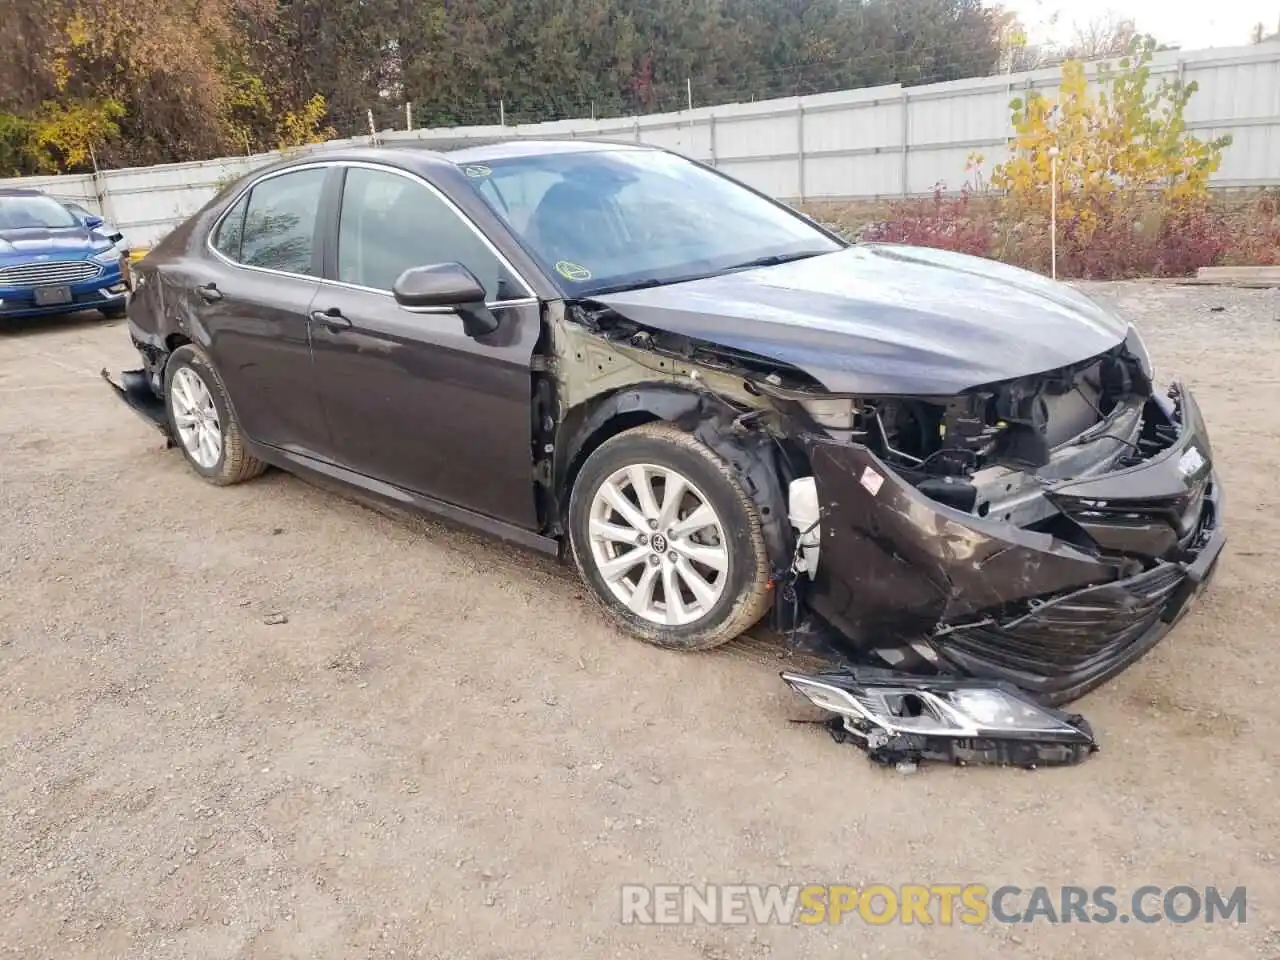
(667, 539)
(201, 420)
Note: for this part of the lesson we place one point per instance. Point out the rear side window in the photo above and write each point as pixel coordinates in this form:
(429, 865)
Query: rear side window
(279, 225)
(231, 230)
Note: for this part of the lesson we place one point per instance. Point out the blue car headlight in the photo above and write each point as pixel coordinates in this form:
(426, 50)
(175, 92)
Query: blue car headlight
(107, 257)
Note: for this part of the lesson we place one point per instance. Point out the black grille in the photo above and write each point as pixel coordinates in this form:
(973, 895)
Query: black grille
(1072, 631)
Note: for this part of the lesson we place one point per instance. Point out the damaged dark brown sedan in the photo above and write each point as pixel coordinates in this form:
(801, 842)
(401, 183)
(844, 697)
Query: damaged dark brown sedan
(954, 477)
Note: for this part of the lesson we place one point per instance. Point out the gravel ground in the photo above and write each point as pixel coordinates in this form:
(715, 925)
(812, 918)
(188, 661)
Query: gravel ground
(446, 752)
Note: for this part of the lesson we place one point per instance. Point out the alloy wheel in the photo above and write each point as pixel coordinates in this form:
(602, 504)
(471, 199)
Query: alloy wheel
(196, 417)
(658, 544)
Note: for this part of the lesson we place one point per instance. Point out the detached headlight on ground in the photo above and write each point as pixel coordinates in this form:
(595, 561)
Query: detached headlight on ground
(958, 721)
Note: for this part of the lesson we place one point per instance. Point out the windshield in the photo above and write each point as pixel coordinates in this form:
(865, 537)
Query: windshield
(34, 213)
(609, 219)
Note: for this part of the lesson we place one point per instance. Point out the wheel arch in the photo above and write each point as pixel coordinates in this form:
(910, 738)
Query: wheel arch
(175, 340)
(585, 427)
(749, 451)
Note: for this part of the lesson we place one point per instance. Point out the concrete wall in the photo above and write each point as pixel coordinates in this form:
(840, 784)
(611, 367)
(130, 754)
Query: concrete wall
(876, 142)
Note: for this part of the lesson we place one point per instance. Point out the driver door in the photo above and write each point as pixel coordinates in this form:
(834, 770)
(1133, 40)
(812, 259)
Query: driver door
(410, 398)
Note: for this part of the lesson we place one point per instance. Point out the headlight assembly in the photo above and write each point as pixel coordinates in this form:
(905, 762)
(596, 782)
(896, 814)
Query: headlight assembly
(906, 719)
(106, 257)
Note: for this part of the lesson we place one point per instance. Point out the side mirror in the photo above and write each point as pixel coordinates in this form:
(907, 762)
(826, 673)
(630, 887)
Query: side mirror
(448, 285)
(93, 223)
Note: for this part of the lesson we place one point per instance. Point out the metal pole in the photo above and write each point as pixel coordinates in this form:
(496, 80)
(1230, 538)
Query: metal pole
(906, 142)
(502, 113)
(688, 84)
(1053, 211)
(99, 185)
(800, 146)
(408, 115)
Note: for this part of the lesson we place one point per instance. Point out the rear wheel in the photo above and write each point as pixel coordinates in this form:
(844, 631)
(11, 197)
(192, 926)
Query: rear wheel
(201, 420)
(668, 540)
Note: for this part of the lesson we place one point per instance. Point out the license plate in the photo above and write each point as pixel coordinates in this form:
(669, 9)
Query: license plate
(49, 296)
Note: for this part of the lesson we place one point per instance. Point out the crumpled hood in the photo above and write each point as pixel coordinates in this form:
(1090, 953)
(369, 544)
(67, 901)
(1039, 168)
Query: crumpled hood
(60, 242)
(885, 319)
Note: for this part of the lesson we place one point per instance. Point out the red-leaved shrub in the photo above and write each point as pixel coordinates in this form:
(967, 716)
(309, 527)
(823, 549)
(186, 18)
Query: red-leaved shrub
(948, 222)
(1132, 238)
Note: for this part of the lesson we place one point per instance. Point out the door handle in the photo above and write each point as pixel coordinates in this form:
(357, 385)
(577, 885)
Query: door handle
(331, 318)
(209, 292)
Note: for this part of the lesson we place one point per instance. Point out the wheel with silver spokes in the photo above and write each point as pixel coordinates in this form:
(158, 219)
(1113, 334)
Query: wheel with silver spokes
(668, 540)
(201, 421)
(196, 418)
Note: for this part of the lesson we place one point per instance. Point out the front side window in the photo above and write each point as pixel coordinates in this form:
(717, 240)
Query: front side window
(391, 223)
(280, 222)
(605, 219)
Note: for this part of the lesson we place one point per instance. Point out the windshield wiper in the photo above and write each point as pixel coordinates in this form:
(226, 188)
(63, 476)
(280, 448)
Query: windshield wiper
(770, 261)
(773, 260)
(636, 285)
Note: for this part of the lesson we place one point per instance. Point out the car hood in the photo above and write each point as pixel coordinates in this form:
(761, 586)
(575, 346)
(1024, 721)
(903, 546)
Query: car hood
(885, 319)
(29, 242)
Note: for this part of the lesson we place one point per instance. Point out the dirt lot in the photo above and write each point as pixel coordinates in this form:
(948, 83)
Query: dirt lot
(445, 751)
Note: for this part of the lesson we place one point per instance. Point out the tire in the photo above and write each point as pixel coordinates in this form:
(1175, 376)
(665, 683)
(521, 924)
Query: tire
(230, 464)
(113, 313)
(619, 570)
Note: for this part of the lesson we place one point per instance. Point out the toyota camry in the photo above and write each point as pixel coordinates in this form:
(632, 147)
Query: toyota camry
(955, 477)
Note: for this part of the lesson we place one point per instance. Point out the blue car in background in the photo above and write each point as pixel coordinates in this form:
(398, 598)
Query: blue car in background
(52, 261)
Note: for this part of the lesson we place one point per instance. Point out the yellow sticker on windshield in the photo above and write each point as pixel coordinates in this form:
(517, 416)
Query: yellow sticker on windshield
(573, 271)
(476, 171)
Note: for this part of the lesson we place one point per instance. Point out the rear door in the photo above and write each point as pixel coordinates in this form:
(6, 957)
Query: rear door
(254, 304)
(410, 398)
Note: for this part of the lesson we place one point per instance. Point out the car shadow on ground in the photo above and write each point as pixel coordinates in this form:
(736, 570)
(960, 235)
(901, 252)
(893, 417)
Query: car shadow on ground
(59, 323)
(760, 644)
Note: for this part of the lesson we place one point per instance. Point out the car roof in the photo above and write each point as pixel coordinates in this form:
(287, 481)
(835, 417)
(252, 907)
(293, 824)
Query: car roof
(20, 192)
(425, 157)
(460, 152)
(472, 151)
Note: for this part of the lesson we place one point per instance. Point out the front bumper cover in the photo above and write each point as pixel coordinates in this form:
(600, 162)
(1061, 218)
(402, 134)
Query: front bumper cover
(979, 598)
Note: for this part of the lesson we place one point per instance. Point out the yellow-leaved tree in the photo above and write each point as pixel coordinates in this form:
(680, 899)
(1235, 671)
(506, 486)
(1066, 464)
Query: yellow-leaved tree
(1122, 144)
(304, 126)
(75, 129)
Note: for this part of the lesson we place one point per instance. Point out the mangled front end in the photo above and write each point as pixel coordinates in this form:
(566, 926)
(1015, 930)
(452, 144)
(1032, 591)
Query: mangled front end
(1013, 536)
(987, 555)
(1038, 536)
